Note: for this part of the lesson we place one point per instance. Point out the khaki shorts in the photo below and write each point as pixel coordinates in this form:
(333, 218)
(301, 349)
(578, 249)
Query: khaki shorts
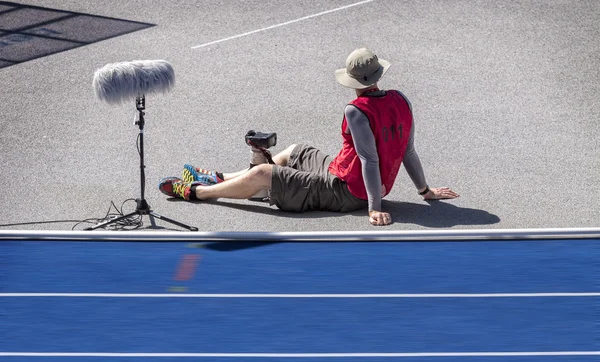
(305, 184)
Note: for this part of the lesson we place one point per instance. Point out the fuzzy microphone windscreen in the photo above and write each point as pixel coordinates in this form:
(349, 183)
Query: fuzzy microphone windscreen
(117, 83)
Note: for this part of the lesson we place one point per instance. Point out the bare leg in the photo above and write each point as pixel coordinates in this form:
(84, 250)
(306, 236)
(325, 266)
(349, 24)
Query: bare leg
(232, 175)
(244, 186)
(280, 159)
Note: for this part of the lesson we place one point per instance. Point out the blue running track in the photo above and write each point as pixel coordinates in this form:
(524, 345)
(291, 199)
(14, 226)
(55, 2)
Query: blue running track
(234, 301)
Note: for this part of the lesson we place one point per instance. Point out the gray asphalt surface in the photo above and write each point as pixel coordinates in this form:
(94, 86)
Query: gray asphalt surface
(505, 98)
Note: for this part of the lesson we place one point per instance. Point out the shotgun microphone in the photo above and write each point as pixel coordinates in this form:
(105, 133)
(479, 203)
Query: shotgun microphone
(117, 83)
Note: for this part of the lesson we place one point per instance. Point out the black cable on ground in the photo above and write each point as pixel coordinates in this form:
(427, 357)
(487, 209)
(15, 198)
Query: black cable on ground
(131, 223)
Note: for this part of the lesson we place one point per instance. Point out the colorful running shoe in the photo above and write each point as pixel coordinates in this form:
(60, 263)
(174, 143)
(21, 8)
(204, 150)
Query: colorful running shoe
(176, 187)
(191, 174)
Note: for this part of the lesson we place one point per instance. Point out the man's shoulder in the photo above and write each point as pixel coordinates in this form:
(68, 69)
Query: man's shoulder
(403, 96)
(397, 92)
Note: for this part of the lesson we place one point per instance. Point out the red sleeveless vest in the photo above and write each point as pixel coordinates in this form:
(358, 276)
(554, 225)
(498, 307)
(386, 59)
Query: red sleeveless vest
(391, 121)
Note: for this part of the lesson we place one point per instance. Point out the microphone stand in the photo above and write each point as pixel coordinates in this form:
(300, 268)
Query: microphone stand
(142, 207)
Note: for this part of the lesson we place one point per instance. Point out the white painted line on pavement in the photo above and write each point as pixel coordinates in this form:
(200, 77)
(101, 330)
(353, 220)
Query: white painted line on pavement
(281, 24)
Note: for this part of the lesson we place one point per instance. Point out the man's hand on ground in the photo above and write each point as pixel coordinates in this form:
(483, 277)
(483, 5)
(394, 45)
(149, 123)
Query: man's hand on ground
(379, 218)
(438, 193)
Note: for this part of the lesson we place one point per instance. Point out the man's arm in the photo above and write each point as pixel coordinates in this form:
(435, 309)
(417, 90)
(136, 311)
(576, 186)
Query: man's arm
(366, 148)
(412, 163)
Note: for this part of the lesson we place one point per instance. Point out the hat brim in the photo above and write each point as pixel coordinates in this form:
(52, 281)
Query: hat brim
(342, 77)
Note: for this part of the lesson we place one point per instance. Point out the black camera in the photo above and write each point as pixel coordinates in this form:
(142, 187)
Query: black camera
(260, 139)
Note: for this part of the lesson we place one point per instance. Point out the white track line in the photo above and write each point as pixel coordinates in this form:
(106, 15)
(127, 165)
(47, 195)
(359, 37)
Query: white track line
(301, 355)
(282, 24)
(316, 296)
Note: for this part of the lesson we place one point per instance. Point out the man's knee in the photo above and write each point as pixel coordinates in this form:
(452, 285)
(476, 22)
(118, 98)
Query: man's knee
(290, 148)
(262, 174)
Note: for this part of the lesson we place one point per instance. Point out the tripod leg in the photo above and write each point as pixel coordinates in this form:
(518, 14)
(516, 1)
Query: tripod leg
(152, 221)
(190, 228)
(112, 221)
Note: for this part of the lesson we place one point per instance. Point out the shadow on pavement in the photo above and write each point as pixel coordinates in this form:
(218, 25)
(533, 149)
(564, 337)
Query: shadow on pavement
(437, 214)
(29, 32)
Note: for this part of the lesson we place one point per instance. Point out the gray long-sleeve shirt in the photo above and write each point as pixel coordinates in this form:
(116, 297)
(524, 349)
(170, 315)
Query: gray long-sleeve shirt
(364, 142)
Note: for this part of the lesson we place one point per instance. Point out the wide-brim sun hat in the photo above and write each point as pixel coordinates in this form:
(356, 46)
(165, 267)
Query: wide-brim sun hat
(363, 69)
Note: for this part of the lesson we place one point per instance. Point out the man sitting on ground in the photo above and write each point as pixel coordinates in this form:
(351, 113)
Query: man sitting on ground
(378, 136)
